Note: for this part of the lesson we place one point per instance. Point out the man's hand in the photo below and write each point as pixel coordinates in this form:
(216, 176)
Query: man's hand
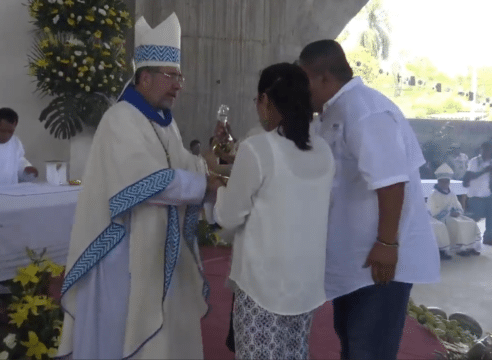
(382, 260)
(31, 170)
(214, 182)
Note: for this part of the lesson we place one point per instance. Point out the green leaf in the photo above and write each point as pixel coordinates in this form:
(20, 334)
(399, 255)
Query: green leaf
(61, 117)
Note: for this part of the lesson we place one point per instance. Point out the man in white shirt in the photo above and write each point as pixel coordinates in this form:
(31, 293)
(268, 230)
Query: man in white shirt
(477, 179)
(13, 165)
(374, 255)
(458, 161)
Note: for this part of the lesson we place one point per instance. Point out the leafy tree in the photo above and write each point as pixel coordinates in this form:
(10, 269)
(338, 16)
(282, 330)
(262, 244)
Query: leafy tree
(364, 64)
(376, 37)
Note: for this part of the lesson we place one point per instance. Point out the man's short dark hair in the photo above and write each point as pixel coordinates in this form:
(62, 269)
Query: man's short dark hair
(327, 55)
(9, 115)
(194, 142)
(138, 73)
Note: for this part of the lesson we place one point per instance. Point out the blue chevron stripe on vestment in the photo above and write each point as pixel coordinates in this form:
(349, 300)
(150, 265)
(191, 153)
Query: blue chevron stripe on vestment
(157, 53)
(114, 233)
(172, 247)
(99, 248)
(140, 191)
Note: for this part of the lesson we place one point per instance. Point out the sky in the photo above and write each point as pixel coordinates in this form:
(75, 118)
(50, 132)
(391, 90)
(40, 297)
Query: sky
(453, 34)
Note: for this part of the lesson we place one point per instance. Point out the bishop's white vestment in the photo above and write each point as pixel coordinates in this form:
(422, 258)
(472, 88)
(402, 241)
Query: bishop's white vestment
(453, 233)
(134, 285)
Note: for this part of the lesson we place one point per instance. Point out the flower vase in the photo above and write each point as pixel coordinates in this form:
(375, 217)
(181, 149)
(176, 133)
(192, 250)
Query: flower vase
(80, 146)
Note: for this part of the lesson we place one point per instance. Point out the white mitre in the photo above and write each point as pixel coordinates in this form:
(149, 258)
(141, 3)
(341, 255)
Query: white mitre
(444, 172)
(160, 46)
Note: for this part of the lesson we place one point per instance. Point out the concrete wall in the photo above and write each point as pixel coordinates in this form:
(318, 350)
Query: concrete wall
(17, 87)
(225, 44)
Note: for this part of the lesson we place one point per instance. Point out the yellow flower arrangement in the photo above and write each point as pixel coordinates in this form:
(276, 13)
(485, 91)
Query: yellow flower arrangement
(37, 318)
(27, 275)
(34, 346)
(75, 36)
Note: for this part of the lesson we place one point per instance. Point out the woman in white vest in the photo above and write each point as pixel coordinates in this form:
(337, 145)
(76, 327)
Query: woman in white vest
(277, 199)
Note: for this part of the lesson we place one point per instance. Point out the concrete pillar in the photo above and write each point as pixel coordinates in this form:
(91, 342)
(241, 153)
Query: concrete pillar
(226, 43)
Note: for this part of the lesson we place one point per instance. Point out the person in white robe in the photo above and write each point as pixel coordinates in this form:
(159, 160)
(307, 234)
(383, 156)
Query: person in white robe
(277, 199)
(134, 285)
(14, 167)
(453, 230)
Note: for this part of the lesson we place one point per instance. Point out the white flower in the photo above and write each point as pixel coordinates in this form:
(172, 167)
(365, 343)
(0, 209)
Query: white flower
(111, 76)
(75, 41)
(88, 32)
(79, 18)
(4, 355)
(99, 85)
(58, 58)
(101, 67)
(87, 88)
(52, 1)
(10, 341)
(118, 19)
(106, 7)
(94, 8)
(47, 80)
(121, 79)
(81, 74)
(60, 2)
(53, 71)
(102, 22)
(56, 18)
(89, 78)
(78, 53)
(93, 69)
(72, 15)
(106, 45)
(77, 81)
(84, 61)
(60, 73)
(113, 89)
(68, 79)
(75, 64)
(102, 12)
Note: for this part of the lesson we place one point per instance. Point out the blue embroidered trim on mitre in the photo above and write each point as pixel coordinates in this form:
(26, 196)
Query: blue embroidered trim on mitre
(133, 97)
(157, 53)
(114, 233)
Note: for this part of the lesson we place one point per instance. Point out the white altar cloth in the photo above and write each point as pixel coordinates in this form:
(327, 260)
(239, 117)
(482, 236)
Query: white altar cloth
(37, 216)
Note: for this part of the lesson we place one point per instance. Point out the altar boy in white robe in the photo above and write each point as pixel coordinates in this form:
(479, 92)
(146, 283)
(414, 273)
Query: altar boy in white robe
(134, 285)
(14, 167)
(463, 234)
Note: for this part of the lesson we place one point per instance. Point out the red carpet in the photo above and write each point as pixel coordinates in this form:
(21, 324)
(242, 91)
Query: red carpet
(417, 342)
